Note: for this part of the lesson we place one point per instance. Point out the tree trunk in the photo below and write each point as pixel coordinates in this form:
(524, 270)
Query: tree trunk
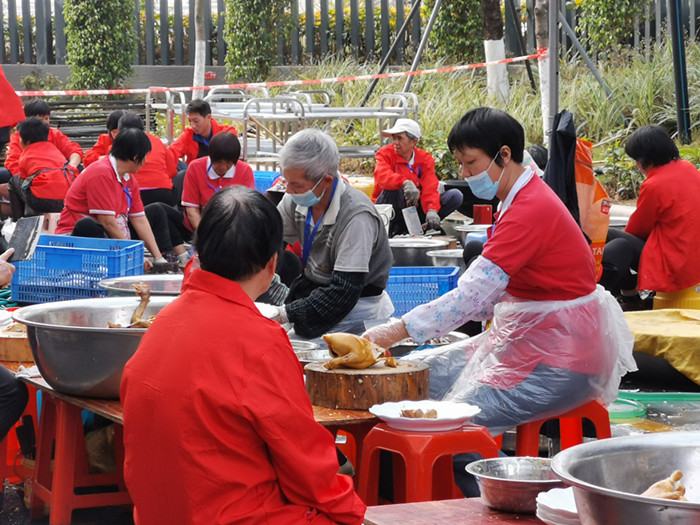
(494, 50)
(542, 36)
(200, 50)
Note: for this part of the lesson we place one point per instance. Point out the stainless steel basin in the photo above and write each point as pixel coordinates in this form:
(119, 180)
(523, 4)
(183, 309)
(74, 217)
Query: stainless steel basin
(448, 258)
(413, 251)
(75, 350)
(610, 475)
(160, 284)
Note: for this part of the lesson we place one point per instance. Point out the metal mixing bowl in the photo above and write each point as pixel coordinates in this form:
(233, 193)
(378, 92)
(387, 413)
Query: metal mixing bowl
(160, 284)
(448, 258)
(462, 231)
(413, 251)
(609, 475)
(73, 347)
(511, 484)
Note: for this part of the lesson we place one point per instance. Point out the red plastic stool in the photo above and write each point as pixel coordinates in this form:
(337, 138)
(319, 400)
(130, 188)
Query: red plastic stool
(10, 468)
(427, 458)
(527, 439)
(62, 424)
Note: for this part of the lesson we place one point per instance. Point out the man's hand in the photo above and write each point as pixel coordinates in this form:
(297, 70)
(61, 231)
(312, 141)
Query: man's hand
(410, 193)
(432, 220)
(281, 315)
(6, 269)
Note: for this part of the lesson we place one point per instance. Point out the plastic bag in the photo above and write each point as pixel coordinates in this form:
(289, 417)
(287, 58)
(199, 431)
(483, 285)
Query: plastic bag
(537, 359)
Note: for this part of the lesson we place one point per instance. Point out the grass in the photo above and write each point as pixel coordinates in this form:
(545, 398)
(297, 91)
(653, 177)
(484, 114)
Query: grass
(642, 92)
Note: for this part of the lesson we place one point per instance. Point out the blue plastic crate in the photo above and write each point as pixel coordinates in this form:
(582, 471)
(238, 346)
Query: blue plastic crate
(65, 267)
(410, 286)
(264, 180)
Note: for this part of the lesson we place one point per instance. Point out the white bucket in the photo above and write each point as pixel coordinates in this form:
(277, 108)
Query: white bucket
(386, 212)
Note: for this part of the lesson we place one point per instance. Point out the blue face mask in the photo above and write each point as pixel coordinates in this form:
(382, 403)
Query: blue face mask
(481, 184)
(308, 199)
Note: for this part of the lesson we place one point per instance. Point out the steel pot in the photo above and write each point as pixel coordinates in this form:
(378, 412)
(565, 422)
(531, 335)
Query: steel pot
(160, 284)
(448, 258)
(75, 350)
(462, 231)
(413, 251)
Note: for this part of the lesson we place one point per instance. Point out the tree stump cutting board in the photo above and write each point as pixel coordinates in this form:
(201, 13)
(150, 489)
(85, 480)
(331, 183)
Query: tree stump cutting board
(360, 389)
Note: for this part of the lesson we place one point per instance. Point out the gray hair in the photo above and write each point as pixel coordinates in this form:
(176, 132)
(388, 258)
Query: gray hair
(313, 151)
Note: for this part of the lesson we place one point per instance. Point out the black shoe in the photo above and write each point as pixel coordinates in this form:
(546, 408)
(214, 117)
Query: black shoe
(635, 303)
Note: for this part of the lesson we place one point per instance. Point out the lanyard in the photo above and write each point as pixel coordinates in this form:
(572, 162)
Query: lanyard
(310, 234)
(206, 180)
(519, 184)
(129, 200)
(418, 173)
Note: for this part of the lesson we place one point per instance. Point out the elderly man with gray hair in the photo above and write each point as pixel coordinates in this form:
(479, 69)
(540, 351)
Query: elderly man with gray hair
(346, 256)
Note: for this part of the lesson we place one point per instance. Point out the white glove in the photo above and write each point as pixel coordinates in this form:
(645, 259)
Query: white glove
(387, 334)
(432, 220)
(160, 260)
(281, 315)
(410, 193)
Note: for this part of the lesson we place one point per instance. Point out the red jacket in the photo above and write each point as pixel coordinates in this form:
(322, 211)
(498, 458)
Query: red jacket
(58, 139)
(159, 167)
(101, 148)
(12, 111)
(390, 172)
(54, 178)
(187, 149)
(228, 436)
(668, 217)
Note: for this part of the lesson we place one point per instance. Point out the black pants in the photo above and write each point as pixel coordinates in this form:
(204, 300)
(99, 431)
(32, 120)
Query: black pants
(175, 221)
(157, 195)
(178, 184)
(620, 257)
(13, 400)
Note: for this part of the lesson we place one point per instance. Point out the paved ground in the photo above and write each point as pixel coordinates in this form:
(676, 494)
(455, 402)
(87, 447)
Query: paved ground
(13, 512)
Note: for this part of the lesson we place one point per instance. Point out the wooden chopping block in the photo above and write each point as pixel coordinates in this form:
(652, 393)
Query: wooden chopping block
(360, 389)
(14, 346)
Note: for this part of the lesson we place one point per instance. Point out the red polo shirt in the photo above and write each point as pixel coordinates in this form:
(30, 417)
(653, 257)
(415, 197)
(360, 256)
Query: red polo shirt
(159, 167)
(12, 111)
(187, 149)
(54, 179)
(201, 183)
(57, 138)
(98, 192)
(100, 149)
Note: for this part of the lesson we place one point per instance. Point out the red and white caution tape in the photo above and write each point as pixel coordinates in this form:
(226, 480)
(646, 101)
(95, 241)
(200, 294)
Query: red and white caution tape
(540, 54)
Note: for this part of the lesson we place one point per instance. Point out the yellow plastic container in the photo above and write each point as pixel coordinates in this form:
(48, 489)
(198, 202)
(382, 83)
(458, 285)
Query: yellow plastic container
(688, 298)
(364, 184)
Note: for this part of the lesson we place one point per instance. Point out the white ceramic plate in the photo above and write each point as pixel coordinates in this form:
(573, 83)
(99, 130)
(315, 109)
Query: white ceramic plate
(555, 519)
(449, 415)
(559, 502)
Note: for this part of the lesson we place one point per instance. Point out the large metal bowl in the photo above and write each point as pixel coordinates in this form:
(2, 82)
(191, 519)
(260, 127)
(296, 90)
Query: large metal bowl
(511, 484)
(448, 258)
(609, 475)
(462, 231)
(413, 251)
(160, 284)
(76, 352)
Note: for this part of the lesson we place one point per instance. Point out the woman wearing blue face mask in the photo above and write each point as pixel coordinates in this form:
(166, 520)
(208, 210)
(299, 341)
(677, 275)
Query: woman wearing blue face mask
(556, 340)
(346, 256)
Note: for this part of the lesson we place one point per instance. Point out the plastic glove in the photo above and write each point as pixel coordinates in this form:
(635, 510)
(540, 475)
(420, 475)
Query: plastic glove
(410, 193)
(160, 260)
(281, 315)
(432, 220)
(387, 334)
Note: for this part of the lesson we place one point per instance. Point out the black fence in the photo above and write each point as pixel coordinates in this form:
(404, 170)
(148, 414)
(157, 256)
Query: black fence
(363, 29)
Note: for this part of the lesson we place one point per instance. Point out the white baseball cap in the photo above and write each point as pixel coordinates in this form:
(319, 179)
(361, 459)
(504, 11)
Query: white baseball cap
(404, 125)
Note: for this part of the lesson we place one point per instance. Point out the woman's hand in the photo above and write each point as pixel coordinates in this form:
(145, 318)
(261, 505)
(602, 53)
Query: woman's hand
(6, 269)
(387, 334)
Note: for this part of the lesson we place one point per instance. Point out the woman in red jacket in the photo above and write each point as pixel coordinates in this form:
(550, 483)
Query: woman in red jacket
(662, 238)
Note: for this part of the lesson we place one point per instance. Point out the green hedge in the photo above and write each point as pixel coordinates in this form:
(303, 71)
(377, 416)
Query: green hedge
(100, 42)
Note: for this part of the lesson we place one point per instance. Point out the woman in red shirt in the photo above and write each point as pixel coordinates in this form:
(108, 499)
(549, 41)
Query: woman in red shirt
(556, 341)
(662, 237)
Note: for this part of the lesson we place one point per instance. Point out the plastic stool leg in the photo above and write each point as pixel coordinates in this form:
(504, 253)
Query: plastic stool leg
(69, 423)
(527, 439)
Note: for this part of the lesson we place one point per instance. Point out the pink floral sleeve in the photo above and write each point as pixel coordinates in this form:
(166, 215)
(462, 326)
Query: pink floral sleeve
(478, 290)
